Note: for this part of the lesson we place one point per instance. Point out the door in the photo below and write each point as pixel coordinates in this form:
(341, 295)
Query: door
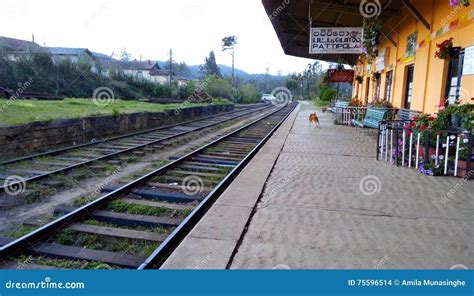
(408, 86)
(367, 89)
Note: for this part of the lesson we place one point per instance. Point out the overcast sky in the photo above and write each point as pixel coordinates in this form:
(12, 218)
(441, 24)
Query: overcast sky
(150, 28)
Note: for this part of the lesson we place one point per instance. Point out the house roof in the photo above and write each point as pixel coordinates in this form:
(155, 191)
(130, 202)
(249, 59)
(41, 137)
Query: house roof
(67, 51)
(17, 44)
(100, 56)
(139, 65)
(291, 22)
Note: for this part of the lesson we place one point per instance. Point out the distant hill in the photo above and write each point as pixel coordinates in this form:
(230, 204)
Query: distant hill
(226, 71)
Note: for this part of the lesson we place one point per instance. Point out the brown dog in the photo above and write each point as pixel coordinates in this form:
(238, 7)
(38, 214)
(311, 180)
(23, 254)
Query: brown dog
(314, 120)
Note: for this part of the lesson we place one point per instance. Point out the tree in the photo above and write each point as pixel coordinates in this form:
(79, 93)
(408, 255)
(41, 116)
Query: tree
(248, 94)
(210, 66)
(217, 87)
(125, 55)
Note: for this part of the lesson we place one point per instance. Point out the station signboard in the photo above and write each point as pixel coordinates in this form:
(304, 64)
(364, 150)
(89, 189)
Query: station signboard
(335, 40)
(341, 75)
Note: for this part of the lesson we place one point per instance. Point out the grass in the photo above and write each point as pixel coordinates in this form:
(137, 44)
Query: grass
(22, 111)
(135, 209)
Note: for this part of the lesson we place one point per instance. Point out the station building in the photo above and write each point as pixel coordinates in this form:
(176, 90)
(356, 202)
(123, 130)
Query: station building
(405, 70)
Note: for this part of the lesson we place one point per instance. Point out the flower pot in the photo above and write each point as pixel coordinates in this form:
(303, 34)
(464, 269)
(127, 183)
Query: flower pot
(455, 120)
(462, 168)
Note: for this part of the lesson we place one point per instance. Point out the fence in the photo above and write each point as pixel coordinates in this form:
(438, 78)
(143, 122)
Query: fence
(345, 115)
(431, 152)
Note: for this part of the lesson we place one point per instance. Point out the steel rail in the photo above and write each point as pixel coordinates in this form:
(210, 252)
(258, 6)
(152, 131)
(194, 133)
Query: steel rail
(113, 154)
(53, 227)
(164, 250)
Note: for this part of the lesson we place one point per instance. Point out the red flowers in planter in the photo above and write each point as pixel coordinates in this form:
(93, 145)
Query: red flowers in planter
(445, 49)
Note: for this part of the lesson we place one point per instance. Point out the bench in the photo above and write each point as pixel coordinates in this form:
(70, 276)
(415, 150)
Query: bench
(339, 104)
(406, 114)
(372, 118)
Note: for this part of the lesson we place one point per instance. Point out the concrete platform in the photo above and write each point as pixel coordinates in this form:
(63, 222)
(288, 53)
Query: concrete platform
(326, 203)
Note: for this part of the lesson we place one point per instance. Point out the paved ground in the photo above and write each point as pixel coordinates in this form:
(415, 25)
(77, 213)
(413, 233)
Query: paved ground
(329, 204)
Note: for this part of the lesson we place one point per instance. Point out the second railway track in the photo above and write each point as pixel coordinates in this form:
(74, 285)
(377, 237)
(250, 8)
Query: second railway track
(19, 172)
(138, 225)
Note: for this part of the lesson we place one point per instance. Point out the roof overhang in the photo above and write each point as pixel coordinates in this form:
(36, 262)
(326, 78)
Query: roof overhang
(290, 19)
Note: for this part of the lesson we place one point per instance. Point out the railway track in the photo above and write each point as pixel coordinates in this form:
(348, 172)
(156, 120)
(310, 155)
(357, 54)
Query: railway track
(139, 224)
(20, 171)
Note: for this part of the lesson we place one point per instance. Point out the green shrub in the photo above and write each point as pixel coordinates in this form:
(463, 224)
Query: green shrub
(327, 94)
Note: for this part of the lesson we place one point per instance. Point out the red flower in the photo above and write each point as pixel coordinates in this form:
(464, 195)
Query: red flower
(422, 126)
(431, 118)
(412, 124)
(408, 133)
(415, 118)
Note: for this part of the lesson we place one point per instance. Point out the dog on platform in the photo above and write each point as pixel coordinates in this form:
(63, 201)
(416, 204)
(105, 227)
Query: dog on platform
(314, 120)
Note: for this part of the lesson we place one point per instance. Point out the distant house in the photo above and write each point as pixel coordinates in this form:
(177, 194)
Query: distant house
(13, 47)
(145, 70)
(182, 80)
(100, 63)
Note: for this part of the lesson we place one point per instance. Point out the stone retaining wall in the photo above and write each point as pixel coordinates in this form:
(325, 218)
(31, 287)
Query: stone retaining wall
(37, 136)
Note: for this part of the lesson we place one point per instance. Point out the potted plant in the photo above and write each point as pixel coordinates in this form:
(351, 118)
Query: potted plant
(376, 76)
(372, 28)
(445, 49)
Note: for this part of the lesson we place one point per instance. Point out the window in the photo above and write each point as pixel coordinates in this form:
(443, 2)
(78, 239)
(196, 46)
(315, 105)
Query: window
(409, 86)
(453, 85)
(388, 85)
(377, 88)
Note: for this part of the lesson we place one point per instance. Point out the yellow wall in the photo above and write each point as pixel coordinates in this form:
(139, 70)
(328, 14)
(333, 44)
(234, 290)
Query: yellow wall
(430, 73)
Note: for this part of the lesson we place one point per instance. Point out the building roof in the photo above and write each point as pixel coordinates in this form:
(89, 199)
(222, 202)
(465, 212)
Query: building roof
(17, 44)
(291, 22)
(139, 65)
(100, 56)
(68, 51)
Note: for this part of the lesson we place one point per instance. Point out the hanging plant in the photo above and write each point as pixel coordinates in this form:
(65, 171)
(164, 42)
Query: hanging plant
(376, 76)
(372, 34)
(445, 49)
(454, 3)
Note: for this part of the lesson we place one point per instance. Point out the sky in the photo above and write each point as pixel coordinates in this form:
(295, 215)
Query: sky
(148, 29)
